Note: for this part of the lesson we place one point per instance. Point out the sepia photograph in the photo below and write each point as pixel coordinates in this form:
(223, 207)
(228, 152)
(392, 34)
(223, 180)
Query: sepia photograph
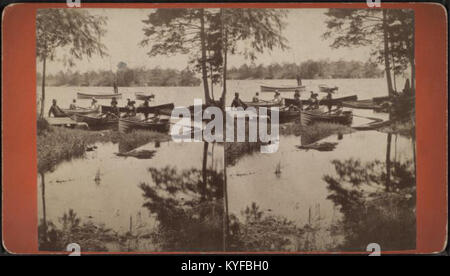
(226, 129)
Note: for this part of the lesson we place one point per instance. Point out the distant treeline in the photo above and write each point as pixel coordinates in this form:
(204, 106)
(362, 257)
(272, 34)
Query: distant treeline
(321, 69)
(125, 78)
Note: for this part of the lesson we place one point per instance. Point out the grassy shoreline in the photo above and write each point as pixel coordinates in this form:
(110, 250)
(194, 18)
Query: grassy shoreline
(58, 144)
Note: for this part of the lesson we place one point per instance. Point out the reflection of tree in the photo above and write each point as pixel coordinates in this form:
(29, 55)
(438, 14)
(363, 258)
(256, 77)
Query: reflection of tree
(188, 206)
(89, 236)
(375, 209)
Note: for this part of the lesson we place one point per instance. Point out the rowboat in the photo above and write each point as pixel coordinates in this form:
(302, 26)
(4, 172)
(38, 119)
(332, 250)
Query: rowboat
(84, 111)
(96, 120)
(326, 88)
(334, 101)
(362, 104)
(98, 96)
(318, 115)
(131, 123)
(141, 109)
(262, 104)
(300, 88)
(143, 96)
(288, 114)
(373, 125)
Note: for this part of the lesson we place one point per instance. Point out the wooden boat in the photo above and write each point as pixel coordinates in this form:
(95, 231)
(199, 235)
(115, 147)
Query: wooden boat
(84, 111)
(98, 96)
(262, 104)
(143, 96)
(96, 120)
(326, 88)
(334, 101)
(131, 123)
(288, 114)
(264, 88)
(373, 125)
(318, 115)
(362, 104)
(141, 109)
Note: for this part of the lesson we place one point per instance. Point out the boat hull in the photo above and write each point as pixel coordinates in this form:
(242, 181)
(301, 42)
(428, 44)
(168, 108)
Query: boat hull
(150, 109)
(128, 124)
(143, 96)
(96, 121)
(98, 96)
(309, 117)
(83, 111)
(326, 89)
(335, 101)
(264, 88)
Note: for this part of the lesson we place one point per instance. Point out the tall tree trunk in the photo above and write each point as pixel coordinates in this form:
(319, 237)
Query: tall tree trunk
(413, 65)
(44, 211)
(387, 53)
(43, 88)
(225, 54)
(203, 61)
(226, 221)
(388, 162)
(204, 170)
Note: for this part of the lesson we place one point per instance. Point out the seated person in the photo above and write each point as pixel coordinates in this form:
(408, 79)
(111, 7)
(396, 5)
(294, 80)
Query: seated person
(277, 98)
(94, 105)
(297, 101)
(55, 110)
(73, 105)
(256, 98)
(313, 102)
(237, 102)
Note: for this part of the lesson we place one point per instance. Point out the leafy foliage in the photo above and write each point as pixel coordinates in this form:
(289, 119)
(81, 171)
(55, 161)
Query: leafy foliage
(73, 28)
(371, 212)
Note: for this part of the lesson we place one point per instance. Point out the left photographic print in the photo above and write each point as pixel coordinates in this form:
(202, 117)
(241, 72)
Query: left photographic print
(110, 178)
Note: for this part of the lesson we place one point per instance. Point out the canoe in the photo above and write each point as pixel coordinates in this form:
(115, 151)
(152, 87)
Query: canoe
(128, 124)
(140, 109)
(326, 88)
(96, 120)
(334, 101)
(84, 111)
(310, 116)
(98, 96)
(264, 88)
(362, 104)
(262, 104)
(372, 125)
(143, 96)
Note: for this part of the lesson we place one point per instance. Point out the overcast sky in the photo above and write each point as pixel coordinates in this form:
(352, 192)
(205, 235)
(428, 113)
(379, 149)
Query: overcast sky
(124, 32)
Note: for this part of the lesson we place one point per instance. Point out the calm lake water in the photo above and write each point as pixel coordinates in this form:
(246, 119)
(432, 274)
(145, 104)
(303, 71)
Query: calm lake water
(105, 188)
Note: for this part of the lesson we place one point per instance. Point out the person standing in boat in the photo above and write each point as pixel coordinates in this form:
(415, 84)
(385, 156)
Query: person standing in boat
(238, 102)
(299, 80)
(256, 98)
(328, 98)
(73, 105)
(55, 110)
(115, 87)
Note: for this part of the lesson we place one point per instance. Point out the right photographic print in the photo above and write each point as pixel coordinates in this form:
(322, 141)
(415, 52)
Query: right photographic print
(342, 175)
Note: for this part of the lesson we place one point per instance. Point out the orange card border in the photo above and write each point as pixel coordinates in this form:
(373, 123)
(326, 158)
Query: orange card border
(19, 175)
